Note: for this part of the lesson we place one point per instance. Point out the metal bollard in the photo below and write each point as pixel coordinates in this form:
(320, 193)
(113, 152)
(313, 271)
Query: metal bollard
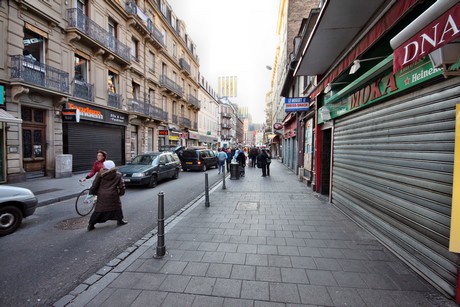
(206, 190)
(161, 248)
(223, 180)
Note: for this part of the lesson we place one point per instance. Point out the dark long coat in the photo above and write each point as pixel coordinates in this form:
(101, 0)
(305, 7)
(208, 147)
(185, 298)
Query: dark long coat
(108, 186)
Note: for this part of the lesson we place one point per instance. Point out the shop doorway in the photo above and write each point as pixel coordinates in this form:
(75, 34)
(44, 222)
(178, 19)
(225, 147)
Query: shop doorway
(34, 141)
(326, 152)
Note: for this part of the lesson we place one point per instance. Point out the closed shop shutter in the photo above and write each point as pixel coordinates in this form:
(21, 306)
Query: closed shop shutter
(84, 139)
(393, 171)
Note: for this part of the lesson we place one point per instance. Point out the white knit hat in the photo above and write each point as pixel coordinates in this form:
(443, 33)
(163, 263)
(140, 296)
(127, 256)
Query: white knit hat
(108, 164)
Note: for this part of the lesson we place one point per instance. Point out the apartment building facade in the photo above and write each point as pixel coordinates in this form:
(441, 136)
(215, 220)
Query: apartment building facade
(128, 67)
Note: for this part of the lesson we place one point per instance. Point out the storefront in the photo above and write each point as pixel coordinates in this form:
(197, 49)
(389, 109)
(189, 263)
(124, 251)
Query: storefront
(98, 129)
(193, 138)
(290, 141)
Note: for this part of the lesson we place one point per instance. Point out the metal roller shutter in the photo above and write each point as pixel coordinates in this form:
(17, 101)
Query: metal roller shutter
(393, 171)
(84, 139)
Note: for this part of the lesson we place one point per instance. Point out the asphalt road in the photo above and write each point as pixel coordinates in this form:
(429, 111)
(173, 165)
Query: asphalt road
(52, 252)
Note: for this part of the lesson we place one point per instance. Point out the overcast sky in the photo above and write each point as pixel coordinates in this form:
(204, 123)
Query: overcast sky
(234, 38)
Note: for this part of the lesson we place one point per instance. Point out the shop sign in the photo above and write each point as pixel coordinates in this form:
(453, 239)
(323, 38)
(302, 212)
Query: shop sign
(383, 87)
(183, 135)
(193, 135)
(296, 104)
(70, 115)
(277, 126)
(163, 132)
(438, 33)
(174, 137)
(2, 95)
(97, 114)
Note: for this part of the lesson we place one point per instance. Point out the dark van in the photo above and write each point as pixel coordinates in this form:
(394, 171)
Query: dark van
(198, 159)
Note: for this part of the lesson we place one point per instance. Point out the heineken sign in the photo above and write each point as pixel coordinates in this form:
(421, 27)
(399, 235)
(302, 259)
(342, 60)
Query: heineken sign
(382, 88)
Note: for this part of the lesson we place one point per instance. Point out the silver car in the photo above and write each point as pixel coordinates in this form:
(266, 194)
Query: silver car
(15, 204)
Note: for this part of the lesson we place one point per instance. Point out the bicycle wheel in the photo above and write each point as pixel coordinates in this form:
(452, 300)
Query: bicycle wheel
(84, 203)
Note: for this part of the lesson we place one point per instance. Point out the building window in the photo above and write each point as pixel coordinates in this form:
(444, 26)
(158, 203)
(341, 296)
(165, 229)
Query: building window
(112, 33)
(152, 98)
(136, 88)
(112, 82)
(82, 5)
(34, 46)
(152, 62)
(134, 49)
(174, 50)
(81, 68)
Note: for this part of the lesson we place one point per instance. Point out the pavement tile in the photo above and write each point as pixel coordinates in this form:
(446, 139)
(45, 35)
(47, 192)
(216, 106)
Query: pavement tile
(276, 241)
(200, 285)
(101, 297)
(315, 243)
(208, 246)
(234, 258)
(196, 269)
(247, 272)
(144, 281)
(192, 256)
(207, 301)
(190, 245)
(295, 242)
(227, 288)
(279, 261)
(247, 248)
(220, 238)
(327, 264)
(219, 270)
(215, 257)
(149, 298)
(332, 253)
(303, 262)
(350, 265)
(175, 283)
(314, 295)
(257, 240)
(288, 250)
(267, 249)
(298, 276)
(238, 239)
(256, 259)
(346, 297)
(227, 247)
(349, 279)
(173, 267)
(256, 290)
(376, 298)
(268, 273)
(378, 281)
(284, 292)
(321, 278)
(233, 302)
(178, 299)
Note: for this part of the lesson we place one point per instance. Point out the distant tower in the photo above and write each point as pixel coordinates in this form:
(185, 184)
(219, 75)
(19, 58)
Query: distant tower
(227, 86)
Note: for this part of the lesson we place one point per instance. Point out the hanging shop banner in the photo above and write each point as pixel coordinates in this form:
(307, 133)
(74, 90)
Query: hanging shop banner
(70, 115)
(381, 88)
(438, 33)
(454, 243)
(296, 104)
(93, 113)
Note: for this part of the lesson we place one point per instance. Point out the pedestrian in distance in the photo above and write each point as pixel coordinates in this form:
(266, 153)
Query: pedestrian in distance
(222, 156)
(253, 156)
(97, 166)
(229, 158)
(241, 159)
(262, 162)
(269, 161)
(108, 186)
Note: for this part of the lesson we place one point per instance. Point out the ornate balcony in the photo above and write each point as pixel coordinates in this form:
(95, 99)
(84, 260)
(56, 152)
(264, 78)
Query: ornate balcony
(194, 102)
(81, 27)
(228, 115)
(83, 90)
(35, 73)
(171, 86)
(184, 121)
(158, 39)
(158, 114)
(114, 100)
(137, 105)
(185, 66)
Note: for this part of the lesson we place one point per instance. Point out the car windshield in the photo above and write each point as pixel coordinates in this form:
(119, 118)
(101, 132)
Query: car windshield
(144, 159)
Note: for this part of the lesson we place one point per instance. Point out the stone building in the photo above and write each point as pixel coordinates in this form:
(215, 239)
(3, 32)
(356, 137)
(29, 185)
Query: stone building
(128, 67)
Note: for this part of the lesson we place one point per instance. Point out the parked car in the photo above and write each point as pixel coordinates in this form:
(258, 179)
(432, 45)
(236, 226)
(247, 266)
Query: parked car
(198, 159)
(173, 148)
(150, 168)
(15, 204)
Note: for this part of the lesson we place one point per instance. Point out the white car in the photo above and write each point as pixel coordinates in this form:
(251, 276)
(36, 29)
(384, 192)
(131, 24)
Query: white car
(15, 204)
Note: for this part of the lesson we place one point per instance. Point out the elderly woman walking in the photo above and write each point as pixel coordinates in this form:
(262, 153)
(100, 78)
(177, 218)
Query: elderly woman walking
(108, 186)
(262, 159)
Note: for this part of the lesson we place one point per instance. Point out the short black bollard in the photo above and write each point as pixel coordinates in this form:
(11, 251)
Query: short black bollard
(223, 180)
(206, 190)
(161, 248)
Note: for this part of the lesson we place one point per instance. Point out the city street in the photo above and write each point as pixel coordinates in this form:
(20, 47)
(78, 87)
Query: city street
(53, 252)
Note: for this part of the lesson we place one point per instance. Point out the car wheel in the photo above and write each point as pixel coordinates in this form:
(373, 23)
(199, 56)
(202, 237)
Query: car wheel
(203, 168)
(176, 174)
(10, 220)
(153, 181)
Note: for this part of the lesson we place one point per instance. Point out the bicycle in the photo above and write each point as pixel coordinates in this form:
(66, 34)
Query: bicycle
(85, 202)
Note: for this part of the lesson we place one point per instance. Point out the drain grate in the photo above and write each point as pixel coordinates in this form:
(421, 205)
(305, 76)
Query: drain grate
(247, 205)
(46, 191)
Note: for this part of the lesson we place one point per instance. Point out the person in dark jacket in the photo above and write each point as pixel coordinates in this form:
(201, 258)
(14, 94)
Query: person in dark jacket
(262, 162)
(108, 186)
(241, 159)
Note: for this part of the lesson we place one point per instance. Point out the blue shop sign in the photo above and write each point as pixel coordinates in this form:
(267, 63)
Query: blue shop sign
(296, 104)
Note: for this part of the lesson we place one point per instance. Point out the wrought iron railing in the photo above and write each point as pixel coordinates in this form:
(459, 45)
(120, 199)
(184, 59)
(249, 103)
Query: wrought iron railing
(184, 121)
(156, 33)
(158, 113)
(33, 72)
(83, 90)
(184, 65)
(131, 7)
(175, 119)
(114, 100)
(76, 18)
(171, 85)
(194, 101)
(137, 105)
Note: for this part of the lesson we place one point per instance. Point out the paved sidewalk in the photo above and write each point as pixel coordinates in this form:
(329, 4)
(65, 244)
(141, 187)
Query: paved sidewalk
(262, 242)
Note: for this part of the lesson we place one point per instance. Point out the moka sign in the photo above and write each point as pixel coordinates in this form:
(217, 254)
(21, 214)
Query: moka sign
(435, 35)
